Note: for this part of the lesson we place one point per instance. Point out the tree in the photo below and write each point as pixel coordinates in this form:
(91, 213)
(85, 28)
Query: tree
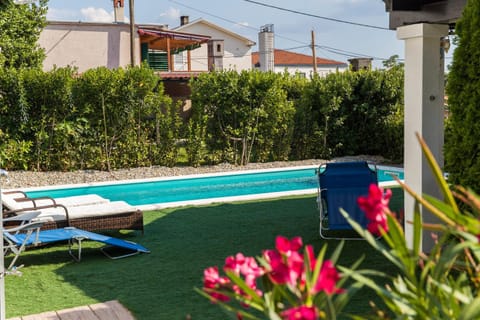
(392, 62)
(21, 26)
(462, 150)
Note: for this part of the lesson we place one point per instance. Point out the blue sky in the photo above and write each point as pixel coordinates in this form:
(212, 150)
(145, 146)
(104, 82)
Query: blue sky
(337, 41)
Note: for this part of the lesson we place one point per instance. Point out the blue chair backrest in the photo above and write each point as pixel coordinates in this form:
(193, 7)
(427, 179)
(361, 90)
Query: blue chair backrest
(341, 183)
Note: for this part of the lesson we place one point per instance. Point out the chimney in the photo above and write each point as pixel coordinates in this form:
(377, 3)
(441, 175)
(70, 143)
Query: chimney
(118, 10)
(358, 64)
(184, 20)
(266, 48)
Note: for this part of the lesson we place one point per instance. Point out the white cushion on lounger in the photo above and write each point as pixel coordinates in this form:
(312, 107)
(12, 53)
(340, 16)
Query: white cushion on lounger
(10, 203)
(101, 209)
(74, 201)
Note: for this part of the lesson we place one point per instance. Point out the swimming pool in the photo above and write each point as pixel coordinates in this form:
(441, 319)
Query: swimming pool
(205, 188)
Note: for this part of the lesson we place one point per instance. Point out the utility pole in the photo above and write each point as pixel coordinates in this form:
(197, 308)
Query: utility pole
(314, 56)
(131, 6)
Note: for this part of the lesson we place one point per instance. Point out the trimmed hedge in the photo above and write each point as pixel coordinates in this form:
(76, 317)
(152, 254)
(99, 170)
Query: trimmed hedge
(462, 160)
(105, 119)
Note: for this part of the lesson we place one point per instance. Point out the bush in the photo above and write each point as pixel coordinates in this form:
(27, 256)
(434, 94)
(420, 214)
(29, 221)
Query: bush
(462, 160)
(105, 119)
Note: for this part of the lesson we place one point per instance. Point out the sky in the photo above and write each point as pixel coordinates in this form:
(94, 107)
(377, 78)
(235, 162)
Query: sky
(293, 26)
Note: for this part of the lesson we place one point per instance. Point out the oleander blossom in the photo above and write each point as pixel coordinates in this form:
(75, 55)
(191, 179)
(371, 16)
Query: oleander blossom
(375, 206)
(213, 281)
(290, 265)
(300, 313)
(286, 262)
(247, 267)
(287, 266)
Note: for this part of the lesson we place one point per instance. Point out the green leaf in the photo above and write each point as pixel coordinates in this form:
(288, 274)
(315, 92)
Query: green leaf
(438, 174)
(417, 229)
(254, 297)
(471, 311)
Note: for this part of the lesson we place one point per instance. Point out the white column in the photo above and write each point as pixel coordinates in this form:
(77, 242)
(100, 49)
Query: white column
(424, 98)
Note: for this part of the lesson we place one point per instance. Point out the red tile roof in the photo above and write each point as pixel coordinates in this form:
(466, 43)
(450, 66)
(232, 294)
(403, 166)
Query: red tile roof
(288, 58)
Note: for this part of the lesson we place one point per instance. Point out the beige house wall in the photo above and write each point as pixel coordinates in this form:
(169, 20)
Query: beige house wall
(87, 45)
(237, 54)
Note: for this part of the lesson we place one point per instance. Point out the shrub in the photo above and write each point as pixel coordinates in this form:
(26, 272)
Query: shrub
(462, 160)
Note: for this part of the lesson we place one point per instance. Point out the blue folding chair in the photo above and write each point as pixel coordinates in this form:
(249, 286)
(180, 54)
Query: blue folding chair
(339, 186)
(28, 233)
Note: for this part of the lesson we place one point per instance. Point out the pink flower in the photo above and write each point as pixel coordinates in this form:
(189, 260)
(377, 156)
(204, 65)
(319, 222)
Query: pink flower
(278, 272)
(300, 313)
(378, 225)
(234, 263)
(311, 256)
(285, 246)
(375, 206)
(284, 269)
(327, 279)
(213, 281)
(246, 266)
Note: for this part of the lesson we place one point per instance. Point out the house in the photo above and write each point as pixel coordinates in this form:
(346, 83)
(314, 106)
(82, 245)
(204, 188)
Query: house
(225, 50)
(197, 46)
(293, 62)
(86, 45)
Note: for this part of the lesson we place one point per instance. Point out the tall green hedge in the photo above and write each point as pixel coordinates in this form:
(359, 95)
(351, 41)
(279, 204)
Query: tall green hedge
(351, 113)
(106, 119)
(462, 148)
(101, 119)
(247, 116)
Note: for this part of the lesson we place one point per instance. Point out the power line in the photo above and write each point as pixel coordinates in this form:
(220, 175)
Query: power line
(303, 44)
(317, 16)
(231, 21)
(348, 53)
(210, 14)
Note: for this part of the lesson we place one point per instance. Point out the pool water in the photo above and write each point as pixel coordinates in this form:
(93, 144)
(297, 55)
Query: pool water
(204, 187)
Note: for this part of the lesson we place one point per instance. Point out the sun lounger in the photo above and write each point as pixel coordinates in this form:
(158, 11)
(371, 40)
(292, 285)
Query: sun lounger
(17, 199)
(29, 234)
(114, 215)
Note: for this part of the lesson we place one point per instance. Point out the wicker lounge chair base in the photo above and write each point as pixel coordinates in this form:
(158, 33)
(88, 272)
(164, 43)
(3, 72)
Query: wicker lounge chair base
(124, 221)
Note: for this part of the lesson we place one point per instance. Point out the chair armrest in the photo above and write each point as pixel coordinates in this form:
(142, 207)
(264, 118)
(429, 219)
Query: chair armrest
(31, 225)
(34, 200)
(24, 217)
(24, 195)
(23, 210)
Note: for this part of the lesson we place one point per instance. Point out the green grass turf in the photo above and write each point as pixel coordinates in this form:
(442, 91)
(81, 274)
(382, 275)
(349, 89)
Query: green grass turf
(183, 242)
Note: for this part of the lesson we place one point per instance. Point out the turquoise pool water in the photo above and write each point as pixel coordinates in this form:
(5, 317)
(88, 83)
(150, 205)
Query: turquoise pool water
(204, 187)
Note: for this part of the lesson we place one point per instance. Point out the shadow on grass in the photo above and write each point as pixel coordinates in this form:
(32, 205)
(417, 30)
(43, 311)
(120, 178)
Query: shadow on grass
(183, 242)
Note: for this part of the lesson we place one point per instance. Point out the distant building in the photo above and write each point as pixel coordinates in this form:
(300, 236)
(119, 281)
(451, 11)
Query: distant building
(358, 64)
(302, 64)
(226, 50)
(86, 45)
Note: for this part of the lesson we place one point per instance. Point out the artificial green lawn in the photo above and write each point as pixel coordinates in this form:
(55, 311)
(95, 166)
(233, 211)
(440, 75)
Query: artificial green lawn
(183, 242)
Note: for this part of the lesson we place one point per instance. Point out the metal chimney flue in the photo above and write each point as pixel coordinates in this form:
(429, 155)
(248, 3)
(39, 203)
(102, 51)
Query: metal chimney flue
(266, 48)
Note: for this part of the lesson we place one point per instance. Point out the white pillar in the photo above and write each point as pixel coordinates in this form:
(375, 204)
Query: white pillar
(424, 98)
